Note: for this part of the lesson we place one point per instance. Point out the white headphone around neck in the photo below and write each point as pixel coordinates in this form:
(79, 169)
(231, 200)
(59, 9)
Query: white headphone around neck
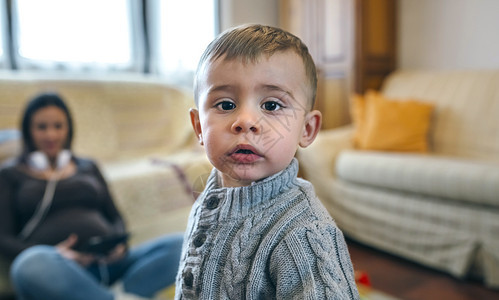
(40, 162)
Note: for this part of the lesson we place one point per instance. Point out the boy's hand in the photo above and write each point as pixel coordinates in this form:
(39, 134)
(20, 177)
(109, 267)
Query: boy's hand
(65, 248)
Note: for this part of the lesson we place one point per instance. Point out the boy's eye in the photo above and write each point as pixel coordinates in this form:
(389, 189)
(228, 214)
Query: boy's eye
(271, 106)
(226, 105)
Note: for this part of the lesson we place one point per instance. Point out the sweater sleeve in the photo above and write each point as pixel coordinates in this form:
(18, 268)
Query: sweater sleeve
(313, 262)
(10, 244)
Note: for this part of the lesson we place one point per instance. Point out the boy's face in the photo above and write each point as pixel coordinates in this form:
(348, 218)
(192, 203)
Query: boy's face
(252, 116)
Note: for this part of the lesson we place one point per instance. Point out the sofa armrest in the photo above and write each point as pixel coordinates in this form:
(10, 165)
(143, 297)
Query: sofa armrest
(318, 159)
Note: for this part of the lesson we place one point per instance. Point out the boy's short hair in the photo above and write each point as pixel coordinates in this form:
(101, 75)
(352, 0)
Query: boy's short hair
(250, 42)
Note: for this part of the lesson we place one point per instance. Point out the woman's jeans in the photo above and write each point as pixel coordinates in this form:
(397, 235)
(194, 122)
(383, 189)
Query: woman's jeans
(40, 272)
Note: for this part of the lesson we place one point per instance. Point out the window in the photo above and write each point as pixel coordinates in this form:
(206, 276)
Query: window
(77, 34)
(181, 31)
(162, 37)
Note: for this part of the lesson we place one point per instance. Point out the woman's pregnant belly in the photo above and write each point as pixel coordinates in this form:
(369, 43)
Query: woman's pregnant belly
(57, 226)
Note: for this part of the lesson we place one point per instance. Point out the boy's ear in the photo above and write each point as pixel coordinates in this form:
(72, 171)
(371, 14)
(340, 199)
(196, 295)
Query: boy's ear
(313, 121)
(196, 124)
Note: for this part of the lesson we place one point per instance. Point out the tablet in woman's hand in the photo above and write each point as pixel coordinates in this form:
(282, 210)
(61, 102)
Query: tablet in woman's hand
(102, 245)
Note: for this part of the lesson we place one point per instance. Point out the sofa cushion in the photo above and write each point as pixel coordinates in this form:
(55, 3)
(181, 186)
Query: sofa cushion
(94, 125)
(115, 118)
(151, 190)
(466, 108)
(390, 124)
(149, 120)
(451, 178)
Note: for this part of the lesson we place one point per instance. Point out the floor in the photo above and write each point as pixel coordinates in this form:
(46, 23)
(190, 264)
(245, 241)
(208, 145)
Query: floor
(409, 281)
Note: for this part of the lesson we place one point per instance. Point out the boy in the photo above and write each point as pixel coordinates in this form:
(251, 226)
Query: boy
(257, 231)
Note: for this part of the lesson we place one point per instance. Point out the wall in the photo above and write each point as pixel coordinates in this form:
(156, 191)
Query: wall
(448, 34)
(237, 12)
(432, 34)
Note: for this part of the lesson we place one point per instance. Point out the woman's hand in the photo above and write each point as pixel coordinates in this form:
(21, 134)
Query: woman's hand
(116, 254)
(65, 248)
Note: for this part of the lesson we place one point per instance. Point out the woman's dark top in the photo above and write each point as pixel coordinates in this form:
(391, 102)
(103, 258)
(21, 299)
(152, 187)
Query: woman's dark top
(81, 204)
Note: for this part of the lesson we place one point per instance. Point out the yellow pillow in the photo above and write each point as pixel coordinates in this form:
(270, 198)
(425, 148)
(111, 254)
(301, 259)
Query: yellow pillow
(391, 125)
(358, 113)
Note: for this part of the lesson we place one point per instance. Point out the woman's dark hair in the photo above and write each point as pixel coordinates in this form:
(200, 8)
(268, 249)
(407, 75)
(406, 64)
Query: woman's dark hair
(35, 104)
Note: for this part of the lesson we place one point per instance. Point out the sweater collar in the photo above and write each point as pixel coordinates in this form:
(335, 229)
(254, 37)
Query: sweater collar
(240, 201)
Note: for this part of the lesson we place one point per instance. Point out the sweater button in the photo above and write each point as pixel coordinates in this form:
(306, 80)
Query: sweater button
(199, 240)
(212, 203)
(188, 278)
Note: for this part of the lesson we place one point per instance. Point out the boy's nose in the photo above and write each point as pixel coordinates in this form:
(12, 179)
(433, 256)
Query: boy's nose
(246, 121)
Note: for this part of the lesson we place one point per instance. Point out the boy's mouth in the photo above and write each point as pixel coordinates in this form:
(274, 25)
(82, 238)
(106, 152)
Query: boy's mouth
(244, 151)
(244, 154)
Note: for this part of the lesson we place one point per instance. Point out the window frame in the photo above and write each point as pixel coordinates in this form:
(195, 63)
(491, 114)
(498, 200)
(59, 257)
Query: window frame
(5, 60)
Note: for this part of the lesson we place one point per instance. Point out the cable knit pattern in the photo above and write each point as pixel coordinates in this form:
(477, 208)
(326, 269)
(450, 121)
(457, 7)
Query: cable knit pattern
(270, 240)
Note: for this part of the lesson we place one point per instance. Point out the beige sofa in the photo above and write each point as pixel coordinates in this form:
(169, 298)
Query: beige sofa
(138, 130)
(440, 209)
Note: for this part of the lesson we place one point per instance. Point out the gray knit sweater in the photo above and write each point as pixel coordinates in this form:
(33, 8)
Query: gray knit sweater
(270, 240)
